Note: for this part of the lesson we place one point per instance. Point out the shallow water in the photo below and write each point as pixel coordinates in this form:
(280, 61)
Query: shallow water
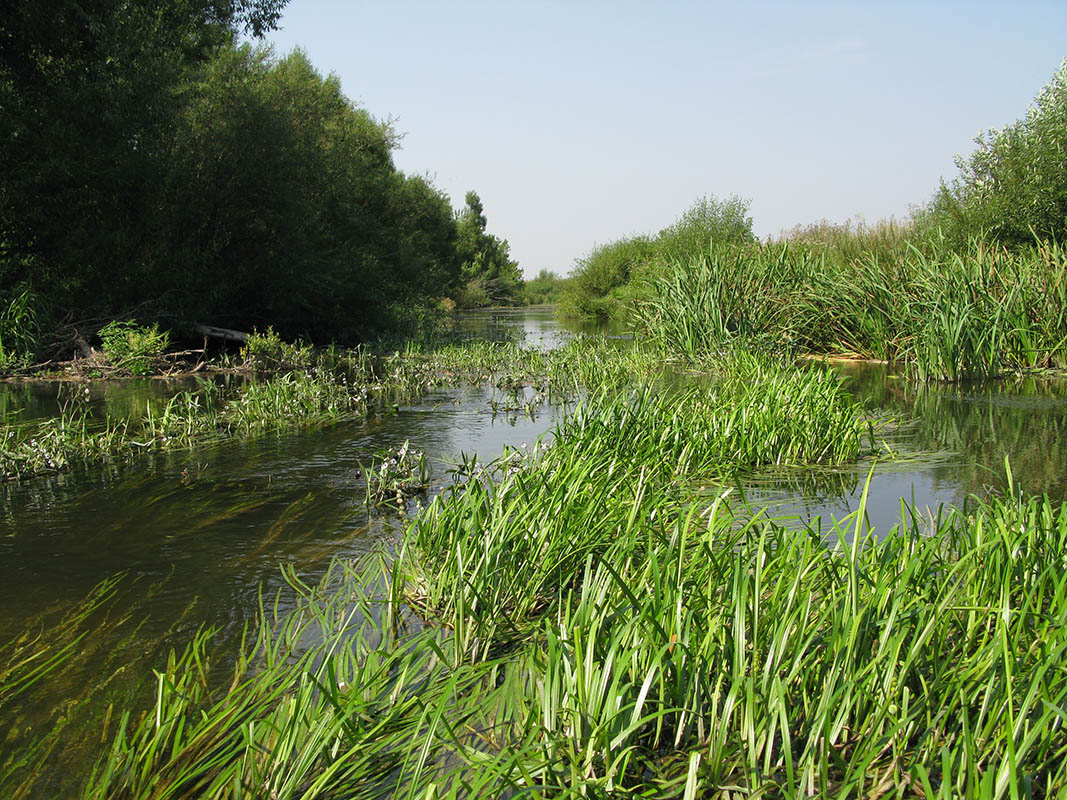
(199, 535)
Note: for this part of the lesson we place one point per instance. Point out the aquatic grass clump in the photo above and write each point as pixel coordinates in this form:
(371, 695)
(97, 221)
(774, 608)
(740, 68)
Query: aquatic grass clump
(737, 655)
(697, 653)
(323, 701)
(396, 475)
(286, 400)
(490, 557)
(57, 443)
(557, 375)
(941, 313)
(189, 418)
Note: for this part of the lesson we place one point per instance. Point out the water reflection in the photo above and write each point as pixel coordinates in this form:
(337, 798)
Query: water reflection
(129, 398)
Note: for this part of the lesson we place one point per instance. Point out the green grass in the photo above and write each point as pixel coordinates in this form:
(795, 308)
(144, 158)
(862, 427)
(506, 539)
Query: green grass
(491, 555)
(757, 658)
(188, 419)
(942, 314)
(19, 329)
(696, 654)
(339, 386)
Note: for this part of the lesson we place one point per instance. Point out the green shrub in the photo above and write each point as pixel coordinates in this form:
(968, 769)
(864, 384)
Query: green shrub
(590, 292)
(599, 287)
(708, 221)
(1014, 186)
(133, 347)
(267, 351)
(545, 288)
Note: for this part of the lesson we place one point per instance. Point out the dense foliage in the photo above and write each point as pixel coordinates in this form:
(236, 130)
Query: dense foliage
(1013, 187)
(544, 288)
(598, 285)
(943, 314)
(153, 166)
(488, 275)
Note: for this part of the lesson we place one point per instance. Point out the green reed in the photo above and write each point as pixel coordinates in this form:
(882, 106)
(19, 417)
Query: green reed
(296, 399)
(735, 655)
(703, 652)
(492, 555)
(570, 622)
(944, 315)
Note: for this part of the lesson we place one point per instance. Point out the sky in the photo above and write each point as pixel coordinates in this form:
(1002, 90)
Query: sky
(582, 122)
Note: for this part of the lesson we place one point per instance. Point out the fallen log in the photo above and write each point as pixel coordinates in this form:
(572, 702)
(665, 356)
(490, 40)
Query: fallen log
(211, 332)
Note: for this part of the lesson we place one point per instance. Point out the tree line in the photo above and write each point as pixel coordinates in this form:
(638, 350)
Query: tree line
(156, 161)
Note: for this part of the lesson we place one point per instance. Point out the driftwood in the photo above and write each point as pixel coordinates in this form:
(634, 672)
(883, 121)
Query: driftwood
(211, 332)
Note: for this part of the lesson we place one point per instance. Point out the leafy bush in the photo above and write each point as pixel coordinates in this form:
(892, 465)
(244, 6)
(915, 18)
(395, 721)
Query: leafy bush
(590, 291)
(709, 220)
(1014, 186)
(545, 288)
(598, 288)
(267, 351)
(133, 347)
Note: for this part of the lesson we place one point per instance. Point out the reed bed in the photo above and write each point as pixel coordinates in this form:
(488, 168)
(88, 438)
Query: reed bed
(719, 658)
(324, 388)
(492, 555)
(353, 389)
(944, 315)
(709, 652)
(568, 621)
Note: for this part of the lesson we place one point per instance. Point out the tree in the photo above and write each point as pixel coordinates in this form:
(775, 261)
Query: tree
(88, 93)
(488, 275)
(284, 206)
(1014, 185)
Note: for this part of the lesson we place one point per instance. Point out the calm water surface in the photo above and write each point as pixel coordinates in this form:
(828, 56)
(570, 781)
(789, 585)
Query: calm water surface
(197, 536)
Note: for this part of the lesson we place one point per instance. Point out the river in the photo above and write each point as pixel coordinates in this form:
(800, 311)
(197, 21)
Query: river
(198, 536)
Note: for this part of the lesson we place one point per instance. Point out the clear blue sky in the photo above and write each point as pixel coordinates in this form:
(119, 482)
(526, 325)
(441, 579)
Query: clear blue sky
(580, 122)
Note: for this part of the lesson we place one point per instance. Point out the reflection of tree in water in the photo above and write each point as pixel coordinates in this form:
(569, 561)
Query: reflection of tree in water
(14, 398)
(1025, 421)
(490, 326)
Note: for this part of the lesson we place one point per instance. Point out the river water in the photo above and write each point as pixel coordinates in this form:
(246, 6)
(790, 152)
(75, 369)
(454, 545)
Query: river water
(198, 536)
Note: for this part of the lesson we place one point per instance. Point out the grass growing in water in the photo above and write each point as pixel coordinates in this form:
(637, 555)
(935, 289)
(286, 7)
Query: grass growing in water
(945, 315)
(330, 386)
(697, 654)
(354, 387)
(394, 476)
(489, 557)
(592, 632)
